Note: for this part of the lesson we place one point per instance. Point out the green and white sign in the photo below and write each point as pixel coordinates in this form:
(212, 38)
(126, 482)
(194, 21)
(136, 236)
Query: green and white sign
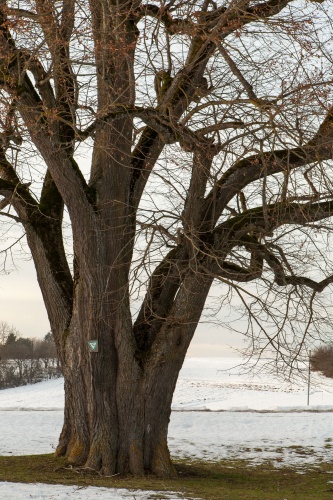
(93, 345)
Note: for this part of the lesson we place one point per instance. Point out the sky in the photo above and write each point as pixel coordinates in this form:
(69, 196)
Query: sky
(21, 305)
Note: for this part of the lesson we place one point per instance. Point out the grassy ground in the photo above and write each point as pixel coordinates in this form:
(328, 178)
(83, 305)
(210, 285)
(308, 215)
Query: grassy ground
(224, 480)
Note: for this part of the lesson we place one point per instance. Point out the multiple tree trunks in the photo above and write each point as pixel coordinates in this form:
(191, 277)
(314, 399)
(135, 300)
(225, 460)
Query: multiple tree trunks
(116, 428)
(118, 405)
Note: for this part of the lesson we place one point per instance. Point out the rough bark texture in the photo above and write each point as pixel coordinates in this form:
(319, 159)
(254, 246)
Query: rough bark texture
(117, 411)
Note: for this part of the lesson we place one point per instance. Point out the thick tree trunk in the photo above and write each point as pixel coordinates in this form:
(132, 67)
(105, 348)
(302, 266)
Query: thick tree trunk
(105, 420)
(118, 406)
(112, 423)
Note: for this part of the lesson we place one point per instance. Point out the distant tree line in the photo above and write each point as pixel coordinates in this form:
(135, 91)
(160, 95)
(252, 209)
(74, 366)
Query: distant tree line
(322, 360)
(25, 360)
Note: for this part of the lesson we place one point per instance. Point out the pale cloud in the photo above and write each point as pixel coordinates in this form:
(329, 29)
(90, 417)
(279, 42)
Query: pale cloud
(21, 302)
(217, 341)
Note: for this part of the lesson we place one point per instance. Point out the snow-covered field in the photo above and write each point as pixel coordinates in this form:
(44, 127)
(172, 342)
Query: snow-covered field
(19, 491)
(218, 413)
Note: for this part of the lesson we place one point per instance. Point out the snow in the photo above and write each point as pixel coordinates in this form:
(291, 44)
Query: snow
(283, 438)
(216, 384)
(29, 432)
(218, 413)
(43, 396)
(19, 491)
(222, 413)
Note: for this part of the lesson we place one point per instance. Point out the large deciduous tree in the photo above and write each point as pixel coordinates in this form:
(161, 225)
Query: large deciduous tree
(188, 141)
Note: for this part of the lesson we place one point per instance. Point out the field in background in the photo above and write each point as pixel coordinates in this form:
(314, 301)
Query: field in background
(219, 416)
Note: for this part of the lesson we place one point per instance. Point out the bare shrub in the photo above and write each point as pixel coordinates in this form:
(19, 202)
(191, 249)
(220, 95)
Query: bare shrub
(322, 360)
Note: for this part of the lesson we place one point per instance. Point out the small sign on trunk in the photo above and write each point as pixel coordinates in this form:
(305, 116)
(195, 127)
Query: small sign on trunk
(93, 345)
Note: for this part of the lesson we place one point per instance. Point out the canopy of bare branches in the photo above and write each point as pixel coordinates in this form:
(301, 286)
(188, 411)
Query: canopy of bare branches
(172, 145)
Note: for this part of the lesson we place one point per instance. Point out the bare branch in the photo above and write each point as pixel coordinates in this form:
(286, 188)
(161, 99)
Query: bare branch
(22, 13)
(261, 103)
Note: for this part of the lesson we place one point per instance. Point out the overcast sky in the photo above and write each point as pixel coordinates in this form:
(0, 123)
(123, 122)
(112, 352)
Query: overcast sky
(21, 305)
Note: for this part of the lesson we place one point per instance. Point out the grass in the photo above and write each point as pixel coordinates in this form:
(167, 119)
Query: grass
(227, 480)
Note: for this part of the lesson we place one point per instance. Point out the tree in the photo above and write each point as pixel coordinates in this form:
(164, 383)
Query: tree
(25, 360)
(8, 336)
(7, 333)
(187, 142)
(46, 350)
(49, 338)
(322, 360)
(20, 350)
(11, 339)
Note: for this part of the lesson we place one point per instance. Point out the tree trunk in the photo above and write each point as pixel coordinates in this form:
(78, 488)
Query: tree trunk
(112, 423)
(118, 406)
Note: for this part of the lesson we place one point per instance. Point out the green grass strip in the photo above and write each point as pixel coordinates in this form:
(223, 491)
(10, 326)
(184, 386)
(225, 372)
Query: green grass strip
(227, 480)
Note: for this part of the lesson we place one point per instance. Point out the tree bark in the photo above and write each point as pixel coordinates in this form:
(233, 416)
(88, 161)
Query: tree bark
(117, 406)
(110, 420)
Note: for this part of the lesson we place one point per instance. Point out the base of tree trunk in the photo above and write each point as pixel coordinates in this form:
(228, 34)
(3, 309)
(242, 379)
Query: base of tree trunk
(102, 461)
